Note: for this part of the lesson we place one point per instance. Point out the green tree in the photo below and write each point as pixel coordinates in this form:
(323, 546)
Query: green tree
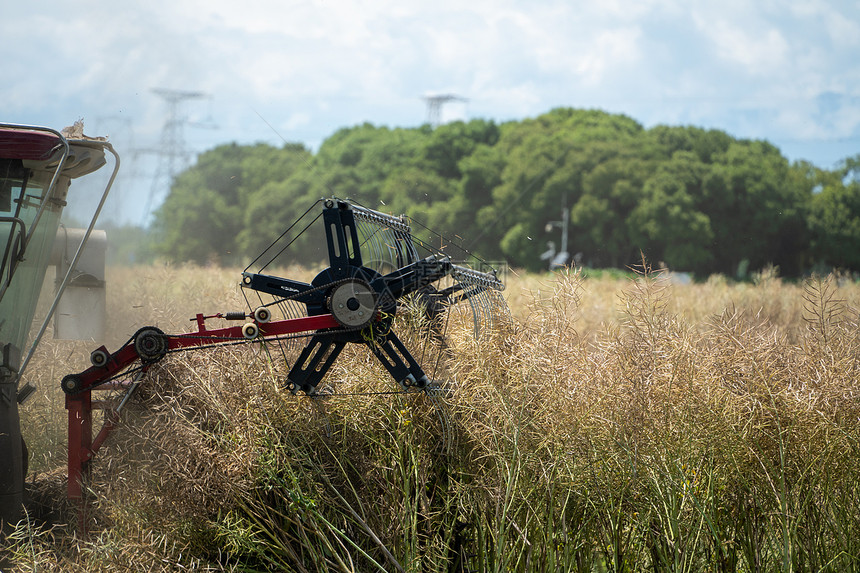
(600, 218)
(756, 208)
(196, 223)
(354, 162)
(705, 144)
(204, 214)
(270, 213)
(666, 223)
(449, 144)
(548, 159)
(696, 199)
(834, 216)
(481, 174)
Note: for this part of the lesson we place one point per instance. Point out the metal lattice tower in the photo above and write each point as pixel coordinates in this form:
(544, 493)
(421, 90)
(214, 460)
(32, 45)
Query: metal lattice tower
(173, 156)
(434, 106)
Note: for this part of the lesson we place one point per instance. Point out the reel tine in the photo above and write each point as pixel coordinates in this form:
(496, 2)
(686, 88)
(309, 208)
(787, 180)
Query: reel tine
(501, 310)
(365, 239)
(484, 298)
(390, 246)
(434, 395)
(400, 246)
(368, 234)
(489, 309)
(407, 252)
(380, 240)
(386, 253)
(291, 309)
(487, 317)
(495, 308)
(388, 237)
(383, 254)
(469, 296)
(477, 300)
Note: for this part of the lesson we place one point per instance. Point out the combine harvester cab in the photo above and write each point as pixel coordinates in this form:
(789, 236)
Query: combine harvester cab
(37, 165)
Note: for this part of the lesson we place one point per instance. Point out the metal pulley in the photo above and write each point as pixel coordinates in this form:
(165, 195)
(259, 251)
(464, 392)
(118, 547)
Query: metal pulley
(353, 303)
(150, 343)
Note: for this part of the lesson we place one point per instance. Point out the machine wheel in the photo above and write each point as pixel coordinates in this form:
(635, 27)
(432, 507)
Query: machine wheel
(353, 303)
(71, 384)
(262, 315)
(250, 330)
(99, 358)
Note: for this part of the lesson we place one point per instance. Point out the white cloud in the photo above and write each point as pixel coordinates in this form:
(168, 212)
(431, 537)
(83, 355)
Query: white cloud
(612, 48)
(752, 68)
(759, 50)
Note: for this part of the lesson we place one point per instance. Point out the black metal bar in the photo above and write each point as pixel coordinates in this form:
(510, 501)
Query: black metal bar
(409, 279)
(344, 250)
(398, 361)
(313, 363)
(280, 287)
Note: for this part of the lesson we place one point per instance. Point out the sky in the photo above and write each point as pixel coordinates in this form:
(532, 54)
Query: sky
(787, 71)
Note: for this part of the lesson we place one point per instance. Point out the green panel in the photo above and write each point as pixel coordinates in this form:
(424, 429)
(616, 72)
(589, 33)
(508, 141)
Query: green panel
(18, 304)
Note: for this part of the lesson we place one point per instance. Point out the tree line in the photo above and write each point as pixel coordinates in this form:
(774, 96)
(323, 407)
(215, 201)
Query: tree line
(697, 200)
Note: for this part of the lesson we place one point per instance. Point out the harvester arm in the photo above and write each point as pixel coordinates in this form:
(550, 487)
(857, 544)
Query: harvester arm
(148, 346)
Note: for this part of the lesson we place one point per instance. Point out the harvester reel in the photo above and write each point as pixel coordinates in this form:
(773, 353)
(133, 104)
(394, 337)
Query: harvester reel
(375, 272)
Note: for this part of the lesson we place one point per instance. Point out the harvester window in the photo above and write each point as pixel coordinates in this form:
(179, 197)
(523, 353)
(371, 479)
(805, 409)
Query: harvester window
(12, 178)
(5, 196)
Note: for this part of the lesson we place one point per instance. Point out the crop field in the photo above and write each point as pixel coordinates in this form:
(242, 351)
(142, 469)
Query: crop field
(610, 424)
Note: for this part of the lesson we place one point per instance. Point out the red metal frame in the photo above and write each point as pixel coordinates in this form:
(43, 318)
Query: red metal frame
(82, 446)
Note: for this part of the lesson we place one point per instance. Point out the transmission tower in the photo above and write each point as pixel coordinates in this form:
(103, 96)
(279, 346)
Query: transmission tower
(434, 106)
(173, 156)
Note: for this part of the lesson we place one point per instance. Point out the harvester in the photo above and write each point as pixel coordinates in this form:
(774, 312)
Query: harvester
(375, 271)
(37, 165)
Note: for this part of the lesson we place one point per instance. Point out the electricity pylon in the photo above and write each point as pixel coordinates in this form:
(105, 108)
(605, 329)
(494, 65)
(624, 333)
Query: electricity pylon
(434, 106)
(173, 155)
